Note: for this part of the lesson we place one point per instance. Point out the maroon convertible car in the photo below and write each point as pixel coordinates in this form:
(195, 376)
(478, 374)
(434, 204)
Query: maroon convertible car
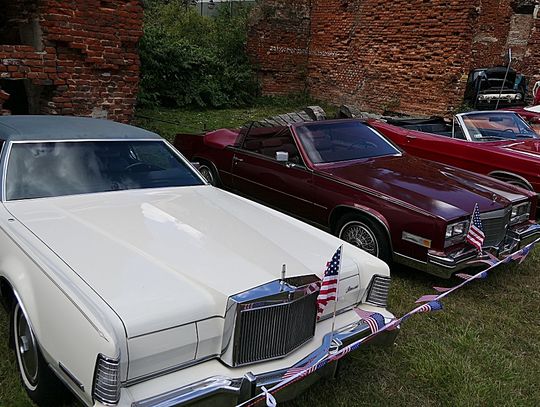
(344, 176)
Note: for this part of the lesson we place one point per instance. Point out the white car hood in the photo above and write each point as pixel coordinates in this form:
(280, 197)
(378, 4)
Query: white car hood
(166, 257)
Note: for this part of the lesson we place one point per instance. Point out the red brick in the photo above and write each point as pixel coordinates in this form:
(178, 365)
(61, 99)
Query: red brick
(406, 55)
(81, 40)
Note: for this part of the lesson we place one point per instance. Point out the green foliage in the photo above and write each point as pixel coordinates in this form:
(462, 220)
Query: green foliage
(192, 60)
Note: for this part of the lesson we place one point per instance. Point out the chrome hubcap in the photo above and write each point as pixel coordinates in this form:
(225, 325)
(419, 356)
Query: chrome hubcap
(26, 348)
(360, 236)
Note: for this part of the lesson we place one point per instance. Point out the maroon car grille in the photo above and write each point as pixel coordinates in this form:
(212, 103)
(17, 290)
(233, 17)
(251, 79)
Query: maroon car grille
(495, 225)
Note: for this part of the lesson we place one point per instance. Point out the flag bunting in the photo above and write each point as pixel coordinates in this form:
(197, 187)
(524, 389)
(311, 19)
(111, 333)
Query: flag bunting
(431, 303)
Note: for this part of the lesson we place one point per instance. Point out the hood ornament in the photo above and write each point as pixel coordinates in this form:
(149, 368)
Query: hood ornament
(282, 282)
(494, 198)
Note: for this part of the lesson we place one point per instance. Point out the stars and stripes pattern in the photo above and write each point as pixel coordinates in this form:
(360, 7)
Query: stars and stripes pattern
(374, 320)
(475, 235)
(519, 256)
(430, 307)
(313, 287)
(309, 366)
(329, 282)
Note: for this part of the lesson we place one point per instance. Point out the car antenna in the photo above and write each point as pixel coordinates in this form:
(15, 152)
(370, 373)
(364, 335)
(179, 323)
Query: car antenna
(505, 76)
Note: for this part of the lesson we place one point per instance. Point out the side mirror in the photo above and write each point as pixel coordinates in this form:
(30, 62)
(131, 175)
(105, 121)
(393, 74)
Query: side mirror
(282, 156)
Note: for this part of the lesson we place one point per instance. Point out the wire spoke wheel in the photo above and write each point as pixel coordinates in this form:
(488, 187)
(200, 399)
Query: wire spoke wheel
(208, 174)
(359, 235)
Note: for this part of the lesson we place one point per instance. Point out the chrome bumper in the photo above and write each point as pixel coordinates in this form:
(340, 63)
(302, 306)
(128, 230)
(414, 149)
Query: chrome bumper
(444, 265)
(227, 391)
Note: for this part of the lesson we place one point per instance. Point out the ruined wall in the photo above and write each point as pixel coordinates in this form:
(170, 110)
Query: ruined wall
(406, 56)
(279, 35)
(76, 58)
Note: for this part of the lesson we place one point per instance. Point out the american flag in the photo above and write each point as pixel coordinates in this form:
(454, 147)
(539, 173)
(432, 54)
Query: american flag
(374, 320)
(429, 307)
(475, 235)
(329, 283)
(520, 255)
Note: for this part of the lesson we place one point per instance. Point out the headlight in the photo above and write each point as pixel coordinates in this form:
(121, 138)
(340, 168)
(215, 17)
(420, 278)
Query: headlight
(456, 232)
(520, 213)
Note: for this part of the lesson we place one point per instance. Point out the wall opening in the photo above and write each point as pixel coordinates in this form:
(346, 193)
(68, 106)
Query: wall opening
(19, 23)
(24, 96)
(18, 100)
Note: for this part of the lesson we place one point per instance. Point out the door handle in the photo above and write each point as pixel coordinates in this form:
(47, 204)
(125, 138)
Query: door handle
(409, 137)
(237, 160)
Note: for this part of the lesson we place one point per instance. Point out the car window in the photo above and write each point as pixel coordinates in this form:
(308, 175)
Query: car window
(342, 141)
(497, 126)
(268, 142)
(37, 170)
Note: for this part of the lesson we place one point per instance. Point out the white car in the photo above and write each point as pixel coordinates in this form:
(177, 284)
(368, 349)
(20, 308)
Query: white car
(136, 283)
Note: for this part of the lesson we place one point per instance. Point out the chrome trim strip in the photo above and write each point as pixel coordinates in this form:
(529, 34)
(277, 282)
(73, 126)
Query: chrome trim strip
(273, 189)
(5, 159)
(81, 140)
(71, 376)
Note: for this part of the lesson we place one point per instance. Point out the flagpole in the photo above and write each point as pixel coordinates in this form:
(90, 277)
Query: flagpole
(337, 292)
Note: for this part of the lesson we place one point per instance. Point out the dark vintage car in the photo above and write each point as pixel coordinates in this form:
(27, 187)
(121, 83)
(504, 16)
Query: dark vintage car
(488, 88)
(344, 176)
(498, 144)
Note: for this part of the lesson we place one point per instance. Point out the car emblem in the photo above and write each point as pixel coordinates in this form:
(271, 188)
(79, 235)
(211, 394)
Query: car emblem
(494, 198)
(350, 288)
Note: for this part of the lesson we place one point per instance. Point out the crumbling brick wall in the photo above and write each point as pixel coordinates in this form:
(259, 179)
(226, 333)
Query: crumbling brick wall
(280, 31)
(410, 56)
(81, 59)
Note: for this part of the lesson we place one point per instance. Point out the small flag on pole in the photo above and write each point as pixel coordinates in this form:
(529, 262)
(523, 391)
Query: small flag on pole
(329, 283)
(475, 235)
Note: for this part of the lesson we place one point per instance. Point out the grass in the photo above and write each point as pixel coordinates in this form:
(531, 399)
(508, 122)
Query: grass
(169, 122)
(481, 350)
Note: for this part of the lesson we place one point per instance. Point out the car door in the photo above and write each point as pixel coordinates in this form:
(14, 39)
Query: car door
(256, 173)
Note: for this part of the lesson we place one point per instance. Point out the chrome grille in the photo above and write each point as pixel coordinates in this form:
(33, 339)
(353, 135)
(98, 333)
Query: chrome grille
(494, 225)
(273, 331)
(378, 290)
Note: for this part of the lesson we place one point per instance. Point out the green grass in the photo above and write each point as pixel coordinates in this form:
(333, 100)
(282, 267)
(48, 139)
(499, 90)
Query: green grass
(483, 349)
(169, 122)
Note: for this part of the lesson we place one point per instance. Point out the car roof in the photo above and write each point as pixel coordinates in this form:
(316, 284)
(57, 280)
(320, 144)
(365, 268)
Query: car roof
(28, 128)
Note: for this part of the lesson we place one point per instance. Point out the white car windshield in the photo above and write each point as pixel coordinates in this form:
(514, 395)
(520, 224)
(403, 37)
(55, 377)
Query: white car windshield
(47, 169)
(497, 126)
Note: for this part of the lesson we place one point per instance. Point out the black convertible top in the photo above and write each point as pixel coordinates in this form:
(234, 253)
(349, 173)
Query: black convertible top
(22, 128)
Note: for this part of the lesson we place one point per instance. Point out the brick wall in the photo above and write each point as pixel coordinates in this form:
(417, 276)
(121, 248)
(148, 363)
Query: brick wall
(409, 56)
(279, 32)
(85, 61)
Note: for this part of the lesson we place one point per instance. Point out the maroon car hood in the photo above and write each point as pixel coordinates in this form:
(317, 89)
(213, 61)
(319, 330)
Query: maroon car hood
(442, 190)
